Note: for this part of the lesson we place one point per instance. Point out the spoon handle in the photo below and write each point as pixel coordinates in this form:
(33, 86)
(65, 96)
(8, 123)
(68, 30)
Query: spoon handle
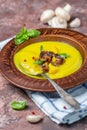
(63, 94)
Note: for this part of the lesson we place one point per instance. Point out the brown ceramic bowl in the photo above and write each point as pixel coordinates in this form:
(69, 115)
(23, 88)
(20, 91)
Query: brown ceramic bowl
(12, 74)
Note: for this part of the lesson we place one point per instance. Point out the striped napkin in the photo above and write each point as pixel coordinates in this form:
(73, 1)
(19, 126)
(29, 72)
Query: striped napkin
(54, 107)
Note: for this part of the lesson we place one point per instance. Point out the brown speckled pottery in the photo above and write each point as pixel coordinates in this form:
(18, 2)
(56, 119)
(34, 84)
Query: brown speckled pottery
(11, 73)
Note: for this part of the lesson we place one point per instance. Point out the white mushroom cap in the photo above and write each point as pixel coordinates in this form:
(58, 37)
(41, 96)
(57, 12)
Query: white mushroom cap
(68, 8)
(47, 15)
(62, 13)
(60, 17)
(75, 23)
(58, 22)
(34, 118)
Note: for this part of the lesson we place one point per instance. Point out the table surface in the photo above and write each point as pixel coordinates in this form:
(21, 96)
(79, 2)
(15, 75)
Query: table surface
(14, 14)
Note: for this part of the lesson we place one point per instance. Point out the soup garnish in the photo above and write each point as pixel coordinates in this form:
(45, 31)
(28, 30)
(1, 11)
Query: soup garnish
(33, 59)
(48, 57)
(25, 34)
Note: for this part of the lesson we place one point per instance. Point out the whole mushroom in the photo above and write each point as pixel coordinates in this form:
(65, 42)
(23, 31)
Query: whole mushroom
(46, 15)
(34, 118)
(68, 8)
(60, 12)
(75, 23)
(58, 22)
(60, 17)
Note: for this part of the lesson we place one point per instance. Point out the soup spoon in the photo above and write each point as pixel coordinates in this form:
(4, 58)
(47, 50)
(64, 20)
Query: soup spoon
(62, 93)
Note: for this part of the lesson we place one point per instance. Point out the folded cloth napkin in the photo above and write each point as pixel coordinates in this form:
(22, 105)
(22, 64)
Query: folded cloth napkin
(57, 109)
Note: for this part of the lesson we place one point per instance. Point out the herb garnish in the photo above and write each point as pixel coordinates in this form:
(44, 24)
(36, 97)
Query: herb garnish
(38, 62)
(47, 57)
(41, 48)
(25, 34)
(18, 105)
(64, 55)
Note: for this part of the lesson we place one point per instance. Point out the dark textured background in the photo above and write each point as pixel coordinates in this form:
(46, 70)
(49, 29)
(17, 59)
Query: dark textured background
(14, 14)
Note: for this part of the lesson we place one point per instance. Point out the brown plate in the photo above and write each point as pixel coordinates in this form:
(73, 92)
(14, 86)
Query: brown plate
(12, 74)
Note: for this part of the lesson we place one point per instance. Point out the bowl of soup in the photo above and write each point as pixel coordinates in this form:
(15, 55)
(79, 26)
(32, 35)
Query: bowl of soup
(60, 53)
(25, 59)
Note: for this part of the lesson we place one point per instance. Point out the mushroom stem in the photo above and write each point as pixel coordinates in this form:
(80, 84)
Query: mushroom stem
(58, 22)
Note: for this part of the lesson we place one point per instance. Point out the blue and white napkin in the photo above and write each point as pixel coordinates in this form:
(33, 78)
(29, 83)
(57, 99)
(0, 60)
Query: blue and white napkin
(54, 107)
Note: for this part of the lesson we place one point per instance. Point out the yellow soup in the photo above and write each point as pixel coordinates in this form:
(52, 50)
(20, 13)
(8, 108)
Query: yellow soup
(24, 59)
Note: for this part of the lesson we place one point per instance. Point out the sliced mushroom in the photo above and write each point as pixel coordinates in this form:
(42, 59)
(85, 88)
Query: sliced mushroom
(46, 56)
(47, 15)
(45, 67)
(59, 60)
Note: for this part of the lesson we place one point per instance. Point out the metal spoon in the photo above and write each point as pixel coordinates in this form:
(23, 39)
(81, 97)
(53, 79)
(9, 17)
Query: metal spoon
(63, 94)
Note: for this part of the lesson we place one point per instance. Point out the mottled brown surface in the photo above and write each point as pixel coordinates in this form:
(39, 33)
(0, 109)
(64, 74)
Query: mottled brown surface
(13, 15)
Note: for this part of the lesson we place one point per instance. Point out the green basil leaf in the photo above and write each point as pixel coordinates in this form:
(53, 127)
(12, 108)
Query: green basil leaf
(33, 33)
(18, 105)
(64, 55)
(24, 35)
(24, 30)
(19, 35)
(18, 41)
(41, 48)
(38, 62)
